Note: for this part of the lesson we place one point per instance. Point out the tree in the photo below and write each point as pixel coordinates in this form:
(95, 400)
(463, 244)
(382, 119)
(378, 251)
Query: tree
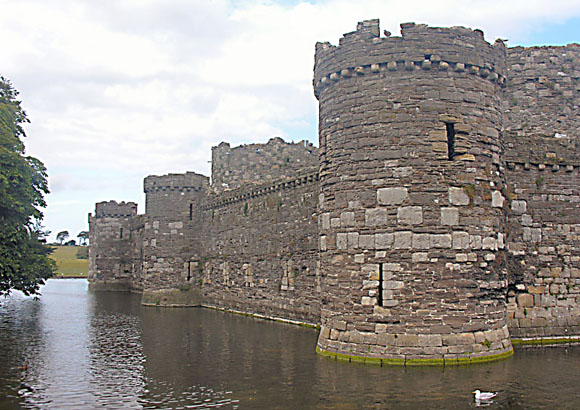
(62, 236)
(24, 262)
(83, 237)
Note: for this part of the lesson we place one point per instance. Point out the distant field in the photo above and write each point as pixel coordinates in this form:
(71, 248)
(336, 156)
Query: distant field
(67, 262)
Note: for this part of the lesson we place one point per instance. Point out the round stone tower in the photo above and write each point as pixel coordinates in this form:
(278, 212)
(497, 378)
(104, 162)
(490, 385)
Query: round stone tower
(411, 204)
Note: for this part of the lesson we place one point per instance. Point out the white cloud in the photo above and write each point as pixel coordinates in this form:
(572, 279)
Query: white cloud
(117, 89)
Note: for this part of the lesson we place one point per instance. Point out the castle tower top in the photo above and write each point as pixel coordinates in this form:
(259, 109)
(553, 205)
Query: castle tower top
(420, 48)
(115, 209)
(190, 181)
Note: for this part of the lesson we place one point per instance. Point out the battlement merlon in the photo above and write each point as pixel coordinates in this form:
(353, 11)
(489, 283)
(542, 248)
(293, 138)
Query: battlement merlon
(189, 181)
(115, 209)
(419, 48)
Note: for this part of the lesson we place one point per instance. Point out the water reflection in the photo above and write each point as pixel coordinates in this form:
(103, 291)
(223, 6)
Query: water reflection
(103, 350)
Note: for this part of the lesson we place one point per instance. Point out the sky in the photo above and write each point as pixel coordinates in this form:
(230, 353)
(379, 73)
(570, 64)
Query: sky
(120, 89)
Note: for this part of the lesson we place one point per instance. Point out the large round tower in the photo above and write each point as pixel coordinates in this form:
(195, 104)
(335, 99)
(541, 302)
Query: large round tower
(411, 204)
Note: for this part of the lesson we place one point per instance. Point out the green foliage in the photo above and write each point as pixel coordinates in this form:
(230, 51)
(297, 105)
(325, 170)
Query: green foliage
(83, 237)
(24, 262)
(62, 236)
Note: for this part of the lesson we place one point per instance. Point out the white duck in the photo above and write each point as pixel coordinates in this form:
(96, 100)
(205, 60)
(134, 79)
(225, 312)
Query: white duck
(482, 395)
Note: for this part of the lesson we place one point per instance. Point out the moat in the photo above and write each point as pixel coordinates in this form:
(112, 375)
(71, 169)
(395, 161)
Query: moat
(83, 350)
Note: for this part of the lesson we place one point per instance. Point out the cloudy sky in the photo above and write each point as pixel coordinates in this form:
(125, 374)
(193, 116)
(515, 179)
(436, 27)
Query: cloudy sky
(120, 89)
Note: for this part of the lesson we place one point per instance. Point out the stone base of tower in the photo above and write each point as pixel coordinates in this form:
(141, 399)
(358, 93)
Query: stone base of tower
(115, 285)
(415, 349)
(172, 297)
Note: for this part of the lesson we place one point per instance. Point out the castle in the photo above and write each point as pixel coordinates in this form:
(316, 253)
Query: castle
(438, 222)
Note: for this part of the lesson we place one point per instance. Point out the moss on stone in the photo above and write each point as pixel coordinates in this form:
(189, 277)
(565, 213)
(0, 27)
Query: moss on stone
(545, 341)
(457, 361)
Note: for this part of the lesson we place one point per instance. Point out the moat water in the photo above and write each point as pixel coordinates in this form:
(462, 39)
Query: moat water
(84, 350)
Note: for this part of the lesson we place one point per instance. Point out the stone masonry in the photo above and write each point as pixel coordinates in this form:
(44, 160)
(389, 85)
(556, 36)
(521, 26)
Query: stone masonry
(437, 222)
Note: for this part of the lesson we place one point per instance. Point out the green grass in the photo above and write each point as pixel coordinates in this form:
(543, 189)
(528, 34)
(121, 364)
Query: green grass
(67, 263)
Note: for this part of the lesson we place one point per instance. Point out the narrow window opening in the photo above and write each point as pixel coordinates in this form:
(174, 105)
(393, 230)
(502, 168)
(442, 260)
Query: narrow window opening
(188, 271)
(450, 140)
(380, 289)
(121, 233)
(190, 212)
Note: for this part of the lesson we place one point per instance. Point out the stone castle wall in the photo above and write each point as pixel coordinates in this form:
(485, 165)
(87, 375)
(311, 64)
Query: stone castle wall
(234, 168)
(261, 249)
(542, 141)
(439, 217)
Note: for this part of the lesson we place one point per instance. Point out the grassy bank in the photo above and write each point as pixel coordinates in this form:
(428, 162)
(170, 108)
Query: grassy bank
(67, 262)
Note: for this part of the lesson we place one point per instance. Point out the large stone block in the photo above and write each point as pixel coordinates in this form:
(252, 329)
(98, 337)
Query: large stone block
(497, 199)
(449, 216)
(384, 240)
(460, 240)
(457, 196)
(489, 243)
(410, 215)
(371, 270)
(347, 219)
(392, 196)
(352, 240)
(375, 217)
(519, 207)
(366, 241)
(403, 240)
(440, 241)
(341, 240)
(525, 300)
(421, 241)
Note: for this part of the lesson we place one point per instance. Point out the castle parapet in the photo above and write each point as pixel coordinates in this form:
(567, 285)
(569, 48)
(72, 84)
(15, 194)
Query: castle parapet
(115, 209)
(189, 181)
(420, 48)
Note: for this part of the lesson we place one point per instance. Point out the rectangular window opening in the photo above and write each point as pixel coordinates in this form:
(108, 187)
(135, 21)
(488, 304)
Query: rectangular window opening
(380, 290)
(121, 233)
(450, 140)
(190, 212)
(188, 271)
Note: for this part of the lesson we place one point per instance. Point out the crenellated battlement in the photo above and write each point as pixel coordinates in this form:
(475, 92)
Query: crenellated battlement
(115, 209)
(307, 176)
(420, 50)
(189, 181)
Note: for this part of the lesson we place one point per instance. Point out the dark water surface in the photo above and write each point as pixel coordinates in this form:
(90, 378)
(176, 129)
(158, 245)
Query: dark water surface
(84, 350)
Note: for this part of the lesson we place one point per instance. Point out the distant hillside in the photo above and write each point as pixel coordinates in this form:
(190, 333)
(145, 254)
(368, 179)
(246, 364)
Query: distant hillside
(68, 263)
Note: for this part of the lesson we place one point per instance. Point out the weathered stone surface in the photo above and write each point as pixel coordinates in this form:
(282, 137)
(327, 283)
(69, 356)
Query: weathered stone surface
(384, 240)
(440, 241)
(402, 240)
(421, 241)
(457, 196)
(391, 196)
(410, 215)
(460, 240)
(519, 207)
(497, 199)
(449, 216)
(375, 217)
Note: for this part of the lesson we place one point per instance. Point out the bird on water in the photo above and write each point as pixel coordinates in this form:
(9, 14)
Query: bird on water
(482, 395)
